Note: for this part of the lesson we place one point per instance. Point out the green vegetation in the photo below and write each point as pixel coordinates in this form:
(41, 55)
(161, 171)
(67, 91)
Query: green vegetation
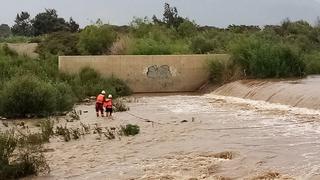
(96, 39)
(267, 59)
(19, 156)
(130, 130)
(223, 71)
(59, 43)
(34, 87)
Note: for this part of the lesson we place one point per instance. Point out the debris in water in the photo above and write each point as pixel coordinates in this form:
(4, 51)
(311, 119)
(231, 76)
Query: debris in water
(225, 155)
(267, 175)
(193, 119)
(221, 155)
(5, 124)
(74, 115)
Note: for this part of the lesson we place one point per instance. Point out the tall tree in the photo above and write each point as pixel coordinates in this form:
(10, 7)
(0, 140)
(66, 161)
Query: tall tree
(73, 26)
(48, 22)
(170, 17)
(22, 25)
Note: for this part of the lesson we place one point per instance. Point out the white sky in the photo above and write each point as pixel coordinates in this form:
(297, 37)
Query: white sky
(205, 12)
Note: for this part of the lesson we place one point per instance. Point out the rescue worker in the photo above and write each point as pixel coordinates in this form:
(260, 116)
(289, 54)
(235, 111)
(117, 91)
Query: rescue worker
(99, 103)
(108, 105)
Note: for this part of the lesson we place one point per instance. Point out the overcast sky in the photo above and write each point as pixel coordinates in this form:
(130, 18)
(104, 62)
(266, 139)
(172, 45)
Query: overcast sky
(205, 12)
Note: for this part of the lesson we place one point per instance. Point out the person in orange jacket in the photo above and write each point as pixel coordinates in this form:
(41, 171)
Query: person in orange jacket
(108, 105)
(99, 103)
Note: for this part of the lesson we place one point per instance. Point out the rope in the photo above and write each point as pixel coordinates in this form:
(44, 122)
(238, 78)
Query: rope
(231, 128)
(145, 119)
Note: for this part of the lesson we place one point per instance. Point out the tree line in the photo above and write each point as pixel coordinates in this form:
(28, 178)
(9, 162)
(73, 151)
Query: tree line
(43, 23)
(293, 44)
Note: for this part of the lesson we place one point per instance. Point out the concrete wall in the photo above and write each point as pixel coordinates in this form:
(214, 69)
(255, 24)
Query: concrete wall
(160, 73)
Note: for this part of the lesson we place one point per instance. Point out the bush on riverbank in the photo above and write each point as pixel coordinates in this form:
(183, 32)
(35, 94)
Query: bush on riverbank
(35, 87)
(262, 58)
(27, 95)
(312, 62)
(19, 158)
(223, 71)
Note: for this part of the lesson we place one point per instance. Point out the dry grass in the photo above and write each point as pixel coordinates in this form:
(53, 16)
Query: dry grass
(120, 106)
(121, 46)
(27, 49)
(225, 155)
(267, 176)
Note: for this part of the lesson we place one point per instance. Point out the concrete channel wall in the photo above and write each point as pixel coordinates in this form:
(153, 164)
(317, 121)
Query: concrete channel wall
(152, 73)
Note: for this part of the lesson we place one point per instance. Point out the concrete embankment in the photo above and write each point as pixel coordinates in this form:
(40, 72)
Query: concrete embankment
(297, 93)
(148, 73)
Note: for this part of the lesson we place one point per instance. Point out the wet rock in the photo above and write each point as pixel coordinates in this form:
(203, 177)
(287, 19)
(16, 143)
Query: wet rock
(184, 121)
(85, 111)
(3, 118)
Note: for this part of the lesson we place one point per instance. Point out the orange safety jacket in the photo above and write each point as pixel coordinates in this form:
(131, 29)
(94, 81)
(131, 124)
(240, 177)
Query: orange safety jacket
(108, 103)
(100, 98)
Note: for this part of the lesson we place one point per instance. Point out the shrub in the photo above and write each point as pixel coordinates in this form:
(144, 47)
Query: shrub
(59, 43)
(27, 95)
(19, 157)
(96, 40)
(46, 129)
(212, 41)
(187, 28)
(130, 130)
(266, 59)
(64, 132)
(90, 83)
(120, 106)
(223, 71)
(312, 62)
(201, 45)
(64, 96)
(149, 46)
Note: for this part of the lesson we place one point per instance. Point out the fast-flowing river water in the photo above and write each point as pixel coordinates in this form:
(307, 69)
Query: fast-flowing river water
(182, 134)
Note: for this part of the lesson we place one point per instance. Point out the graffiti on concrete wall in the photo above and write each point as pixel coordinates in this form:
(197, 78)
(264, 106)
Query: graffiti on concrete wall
(159, 72)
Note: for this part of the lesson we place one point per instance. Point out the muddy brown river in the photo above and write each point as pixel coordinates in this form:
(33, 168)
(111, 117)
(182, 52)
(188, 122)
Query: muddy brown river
(181, 136)
(187, 131)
